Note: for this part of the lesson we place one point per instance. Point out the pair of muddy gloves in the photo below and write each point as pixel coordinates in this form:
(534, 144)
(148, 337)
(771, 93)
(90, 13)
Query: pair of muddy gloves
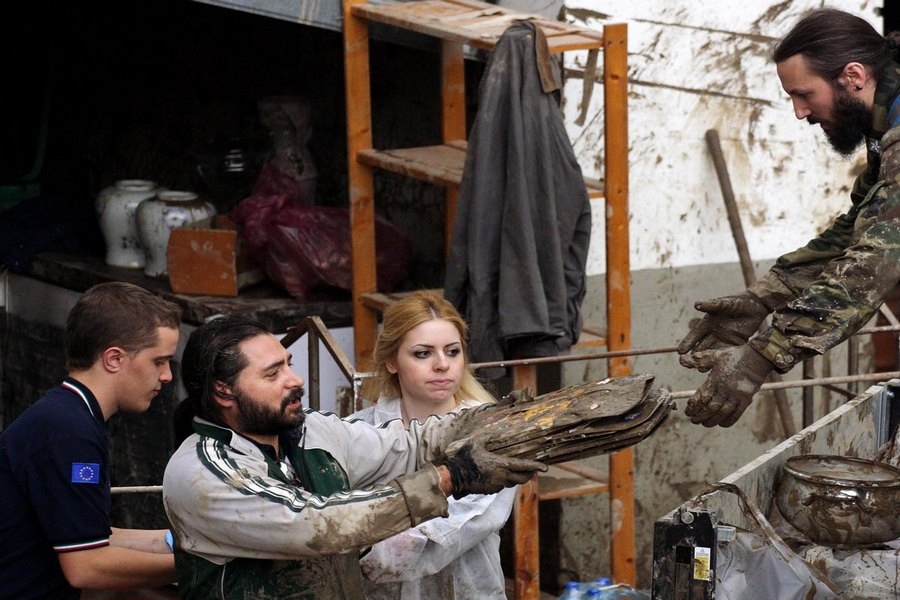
(720, 344)
(729, 344)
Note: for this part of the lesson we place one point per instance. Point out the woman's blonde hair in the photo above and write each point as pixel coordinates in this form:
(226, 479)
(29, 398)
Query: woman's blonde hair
(399, 318)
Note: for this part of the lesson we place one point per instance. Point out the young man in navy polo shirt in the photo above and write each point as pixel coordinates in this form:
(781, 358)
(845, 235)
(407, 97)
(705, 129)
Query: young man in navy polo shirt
(55, 535)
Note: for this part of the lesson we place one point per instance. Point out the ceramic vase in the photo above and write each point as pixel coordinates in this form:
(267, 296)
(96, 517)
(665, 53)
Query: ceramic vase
(116, 208)
(289, 121)
(158, 216)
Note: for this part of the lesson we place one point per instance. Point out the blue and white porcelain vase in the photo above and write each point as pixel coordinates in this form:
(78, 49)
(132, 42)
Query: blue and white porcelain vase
(158, 216)
(116, 208)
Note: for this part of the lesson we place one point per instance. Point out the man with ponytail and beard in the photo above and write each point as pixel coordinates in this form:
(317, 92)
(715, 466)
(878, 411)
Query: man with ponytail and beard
(269, 500)
(843, 76)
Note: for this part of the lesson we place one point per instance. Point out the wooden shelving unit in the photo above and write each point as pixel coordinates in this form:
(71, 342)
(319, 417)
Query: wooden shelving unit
(456, 24)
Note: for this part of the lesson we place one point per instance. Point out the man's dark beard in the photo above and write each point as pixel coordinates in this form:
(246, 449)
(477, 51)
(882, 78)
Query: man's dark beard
(851, 122)
(259, 419)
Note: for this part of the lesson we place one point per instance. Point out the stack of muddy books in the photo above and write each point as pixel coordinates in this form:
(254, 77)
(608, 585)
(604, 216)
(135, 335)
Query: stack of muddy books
(574, 422)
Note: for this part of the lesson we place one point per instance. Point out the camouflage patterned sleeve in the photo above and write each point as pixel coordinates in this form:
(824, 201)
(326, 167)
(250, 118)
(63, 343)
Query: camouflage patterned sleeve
(852, 284)
(772, 290)
(794, 271)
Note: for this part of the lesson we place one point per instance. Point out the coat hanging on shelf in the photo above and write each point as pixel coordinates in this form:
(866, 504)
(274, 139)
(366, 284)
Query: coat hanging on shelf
(516, 265)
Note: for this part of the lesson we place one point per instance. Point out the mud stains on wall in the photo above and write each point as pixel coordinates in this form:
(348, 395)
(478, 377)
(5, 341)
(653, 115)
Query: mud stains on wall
(694, 67)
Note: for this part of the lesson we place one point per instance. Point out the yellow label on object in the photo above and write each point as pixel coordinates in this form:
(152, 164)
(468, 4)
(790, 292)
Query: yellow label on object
(701, 564)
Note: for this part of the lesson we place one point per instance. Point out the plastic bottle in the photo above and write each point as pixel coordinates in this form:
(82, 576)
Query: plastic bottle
(600, 582)
(572, 591)
(619, 591)
(595, 593)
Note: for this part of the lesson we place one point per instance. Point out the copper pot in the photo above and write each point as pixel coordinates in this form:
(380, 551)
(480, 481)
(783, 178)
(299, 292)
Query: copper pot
(838, 500)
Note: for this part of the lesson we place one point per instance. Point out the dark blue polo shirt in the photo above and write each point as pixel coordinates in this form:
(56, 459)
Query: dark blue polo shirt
(54, 491)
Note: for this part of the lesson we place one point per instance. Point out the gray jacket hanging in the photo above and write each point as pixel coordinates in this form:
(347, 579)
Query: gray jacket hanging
(516, 267)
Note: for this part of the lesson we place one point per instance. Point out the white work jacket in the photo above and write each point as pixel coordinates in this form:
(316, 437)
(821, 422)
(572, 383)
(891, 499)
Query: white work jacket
(452, 558)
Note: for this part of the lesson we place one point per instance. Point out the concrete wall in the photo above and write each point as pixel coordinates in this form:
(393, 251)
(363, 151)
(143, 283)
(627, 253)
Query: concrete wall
(695, 66)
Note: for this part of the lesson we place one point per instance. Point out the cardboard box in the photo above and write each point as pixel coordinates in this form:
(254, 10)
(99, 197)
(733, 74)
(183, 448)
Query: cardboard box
(205, 259)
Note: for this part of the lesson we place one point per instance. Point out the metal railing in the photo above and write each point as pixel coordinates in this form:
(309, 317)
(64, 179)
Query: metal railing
(316, 330)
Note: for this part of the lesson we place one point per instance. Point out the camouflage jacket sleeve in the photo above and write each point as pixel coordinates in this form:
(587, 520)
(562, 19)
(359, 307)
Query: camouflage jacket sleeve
(841, 277)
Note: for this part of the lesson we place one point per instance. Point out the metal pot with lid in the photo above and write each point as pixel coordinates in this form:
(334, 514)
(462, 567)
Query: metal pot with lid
(839, 500)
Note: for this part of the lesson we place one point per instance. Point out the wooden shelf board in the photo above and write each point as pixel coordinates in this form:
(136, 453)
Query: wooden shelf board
(569, 480)
(477, 24)
(440, 165)
(590, 337)
(378, 301)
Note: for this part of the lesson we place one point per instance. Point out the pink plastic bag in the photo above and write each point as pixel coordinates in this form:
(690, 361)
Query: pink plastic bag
(303, 247)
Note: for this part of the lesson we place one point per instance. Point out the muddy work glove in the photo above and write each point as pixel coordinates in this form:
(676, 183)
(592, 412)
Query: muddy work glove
(476, 470)
(735, 375)
(729, 321)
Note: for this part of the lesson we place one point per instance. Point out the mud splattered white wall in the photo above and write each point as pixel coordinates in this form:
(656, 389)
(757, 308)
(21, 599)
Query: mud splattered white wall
(695, 66)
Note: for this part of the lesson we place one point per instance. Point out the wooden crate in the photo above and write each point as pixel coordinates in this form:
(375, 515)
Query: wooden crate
(207, 261)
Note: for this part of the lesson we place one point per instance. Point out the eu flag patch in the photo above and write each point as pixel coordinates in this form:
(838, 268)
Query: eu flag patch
(85, 473)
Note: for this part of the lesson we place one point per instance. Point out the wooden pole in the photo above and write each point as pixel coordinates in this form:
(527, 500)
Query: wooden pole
(618, 286)
(526, 514)
(453, 119)
(360, 180)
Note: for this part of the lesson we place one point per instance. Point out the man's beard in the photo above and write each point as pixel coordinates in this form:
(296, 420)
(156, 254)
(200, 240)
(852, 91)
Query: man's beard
(258, 419)
(850, 123)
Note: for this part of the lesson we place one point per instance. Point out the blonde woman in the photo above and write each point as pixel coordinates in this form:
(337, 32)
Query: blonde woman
(421, 369)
